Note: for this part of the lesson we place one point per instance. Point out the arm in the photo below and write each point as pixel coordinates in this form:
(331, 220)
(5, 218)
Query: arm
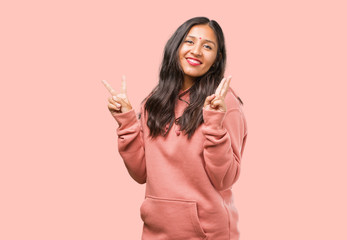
(131, 143)
(225, 134)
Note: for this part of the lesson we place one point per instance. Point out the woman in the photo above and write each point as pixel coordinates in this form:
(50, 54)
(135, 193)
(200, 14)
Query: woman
(188, 142)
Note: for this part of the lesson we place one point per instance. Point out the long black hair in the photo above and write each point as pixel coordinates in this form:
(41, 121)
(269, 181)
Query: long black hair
(160, 104)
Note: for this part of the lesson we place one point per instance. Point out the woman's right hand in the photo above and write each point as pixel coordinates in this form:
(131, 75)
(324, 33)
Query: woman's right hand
(118, 103)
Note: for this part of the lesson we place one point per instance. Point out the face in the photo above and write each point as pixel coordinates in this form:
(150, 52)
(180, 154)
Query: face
(198, 51)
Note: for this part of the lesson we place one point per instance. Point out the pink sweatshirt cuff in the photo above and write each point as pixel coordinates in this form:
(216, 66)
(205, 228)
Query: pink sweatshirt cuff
(126, 119)
(213, 119)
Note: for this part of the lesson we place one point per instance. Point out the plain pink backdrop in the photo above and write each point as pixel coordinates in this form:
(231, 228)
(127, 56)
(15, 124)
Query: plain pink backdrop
(61, 176)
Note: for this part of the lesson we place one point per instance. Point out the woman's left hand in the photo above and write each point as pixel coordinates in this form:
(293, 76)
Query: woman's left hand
(216, 101)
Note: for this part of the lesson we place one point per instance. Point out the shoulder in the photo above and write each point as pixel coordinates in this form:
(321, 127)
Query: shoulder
(235, 110)
(232, 101)
(143, 113)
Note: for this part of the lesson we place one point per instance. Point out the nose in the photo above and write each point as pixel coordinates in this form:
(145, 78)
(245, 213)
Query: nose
(196, 50)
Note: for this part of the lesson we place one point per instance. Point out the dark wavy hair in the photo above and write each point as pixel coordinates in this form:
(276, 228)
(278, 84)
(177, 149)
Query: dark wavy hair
(160, 104)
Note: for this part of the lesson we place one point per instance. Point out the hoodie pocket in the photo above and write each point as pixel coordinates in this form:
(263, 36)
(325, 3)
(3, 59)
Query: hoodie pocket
(171, 219)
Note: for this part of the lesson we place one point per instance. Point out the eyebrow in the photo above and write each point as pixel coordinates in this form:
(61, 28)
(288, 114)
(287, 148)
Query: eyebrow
(204, 39)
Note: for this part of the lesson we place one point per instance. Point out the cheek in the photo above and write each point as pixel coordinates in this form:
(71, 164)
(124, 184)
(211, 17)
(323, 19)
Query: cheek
(183, 50)
(211, 59)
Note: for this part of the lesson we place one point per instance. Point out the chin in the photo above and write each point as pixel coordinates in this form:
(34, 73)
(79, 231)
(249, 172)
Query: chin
(195, 75)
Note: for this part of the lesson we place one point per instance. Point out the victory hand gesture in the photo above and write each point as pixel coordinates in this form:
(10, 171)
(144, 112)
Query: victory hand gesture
(118, 103)
(216, 101)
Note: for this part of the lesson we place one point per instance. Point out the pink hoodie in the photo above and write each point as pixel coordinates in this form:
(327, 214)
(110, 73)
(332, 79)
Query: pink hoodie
(188, 191)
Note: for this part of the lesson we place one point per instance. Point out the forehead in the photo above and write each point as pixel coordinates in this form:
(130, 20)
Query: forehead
(203, 31)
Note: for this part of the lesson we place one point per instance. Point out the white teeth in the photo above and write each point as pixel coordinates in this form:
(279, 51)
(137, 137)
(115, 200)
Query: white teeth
(194, 61)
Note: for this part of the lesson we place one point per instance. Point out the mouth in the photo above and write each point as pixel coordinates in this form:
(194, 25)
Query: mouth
(193, 61)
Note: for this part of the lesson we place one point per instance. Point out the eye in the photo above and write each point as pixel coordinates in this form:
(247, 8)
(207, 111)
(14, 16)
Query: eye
(208, 47)
(191, 42)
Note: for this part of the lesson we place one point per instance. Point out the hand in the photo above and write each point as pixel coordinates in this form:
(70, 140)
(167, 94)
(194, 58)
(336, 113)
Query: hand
(216, 101)
(118, 103)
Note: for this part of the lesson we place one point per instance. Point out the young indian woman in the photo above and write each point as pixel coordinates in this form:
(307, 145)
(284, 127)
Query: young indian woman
(187, 141)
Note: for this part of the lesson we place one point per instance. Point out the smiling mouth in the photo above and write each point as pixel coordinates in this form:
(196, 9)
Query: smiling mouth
(193, 62)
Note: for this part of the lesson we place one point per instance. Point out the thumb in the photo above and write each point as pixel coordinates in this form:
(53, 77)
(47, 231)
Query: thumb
(209, 99)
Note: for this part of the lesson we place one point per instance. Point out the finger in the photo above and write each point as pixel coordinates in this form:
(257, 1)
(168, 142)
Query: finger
(114, 102)
(124, 85)
(209, 99)
(109, 88)
(113, 107)
(218, 90)
(225, 87)
(120, 100)
(122, 96)
(216, 103)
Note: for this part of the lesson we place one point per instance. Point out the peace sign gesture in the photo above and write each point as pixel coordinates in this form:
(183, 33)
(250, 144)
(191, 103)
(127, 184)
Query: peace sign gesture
(216, 101)
(118, 103)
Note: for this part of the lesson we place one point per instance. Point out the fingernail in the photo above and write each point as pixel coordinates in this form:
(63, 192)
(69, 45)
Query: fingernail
(114, 97)
(118, 105)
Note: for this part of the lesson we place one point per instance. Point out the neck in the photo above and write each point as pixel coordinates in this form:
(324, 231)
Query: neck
(188, 82)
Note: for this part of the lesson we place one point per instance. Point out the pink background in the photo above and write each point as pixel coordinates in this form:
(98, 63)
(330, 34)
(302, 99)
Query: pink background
(61, 176)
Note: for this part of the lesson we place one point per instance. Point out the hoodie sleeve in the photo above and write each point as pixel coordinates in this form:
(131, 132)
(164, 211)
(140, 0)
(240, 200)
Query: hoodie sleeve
(225, 138)
(131, 144)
